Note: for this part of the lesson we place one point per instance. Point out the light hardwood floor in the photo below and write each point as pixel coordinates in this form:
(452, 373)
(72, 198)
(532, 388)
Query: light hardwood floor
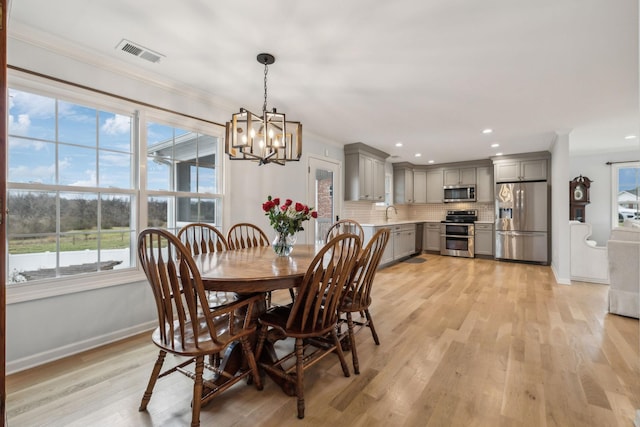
(463, 343)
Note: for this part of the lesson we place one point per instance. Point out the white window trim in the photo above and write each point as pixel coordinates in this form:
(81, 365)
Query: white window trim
(615, 171)
(22, 292)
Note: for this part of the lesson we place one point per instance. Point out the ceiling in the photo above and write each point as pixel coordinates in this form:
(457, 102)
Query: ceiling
(430, 74)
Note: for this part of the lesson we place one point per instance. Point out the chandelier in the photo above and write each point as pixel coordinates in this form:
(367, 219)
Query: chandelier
(264, 139)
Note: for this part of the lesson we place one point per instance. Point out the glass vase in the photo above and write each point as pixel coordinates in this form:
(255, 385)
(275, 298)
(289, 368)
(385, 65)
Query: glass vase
(283, 244)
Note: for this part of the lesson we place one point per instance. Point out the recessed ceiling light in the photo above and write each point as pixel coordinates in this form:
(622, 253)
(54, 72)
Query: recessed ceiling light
(431, 161)
(418, 155)
(398, 144)
(496, 145)
(487, 131)
(630, 137)
(498, 154)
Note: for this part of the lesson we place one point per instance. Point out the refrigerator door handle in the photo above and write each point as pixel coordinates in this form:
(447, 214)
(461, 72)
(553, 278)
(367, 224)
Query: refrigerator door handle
(521, 197)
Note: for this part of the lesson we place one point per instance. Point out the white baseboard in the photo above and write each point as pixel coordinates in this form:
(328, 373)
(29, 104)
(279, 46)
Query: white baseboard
(637, 421)
(590, 280)
(560, 280)
(75, 348)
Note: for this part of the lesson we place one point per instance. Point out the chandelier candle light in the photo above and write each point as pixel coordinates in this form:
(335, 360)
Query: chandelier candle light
(286, 220)
(266, 139)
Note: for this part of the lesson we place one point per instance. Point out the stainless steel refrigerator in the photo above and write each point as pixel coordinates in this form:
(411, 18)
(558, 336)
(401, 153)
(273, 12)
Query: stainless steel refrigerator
(522, 219)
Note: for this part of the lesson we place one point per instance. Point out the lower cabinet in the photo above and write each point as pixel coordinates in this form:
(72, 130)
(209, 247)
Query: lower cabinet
(484, 239)
(402, 241)
(431, 237)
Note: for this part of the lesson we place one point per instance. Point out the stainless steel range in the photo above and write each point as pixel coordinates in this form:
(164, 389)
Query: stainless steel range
(457, 233)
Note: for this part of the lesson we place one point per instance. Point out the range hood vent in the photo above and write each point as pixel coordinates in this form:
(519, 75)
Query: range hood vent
(139, 51)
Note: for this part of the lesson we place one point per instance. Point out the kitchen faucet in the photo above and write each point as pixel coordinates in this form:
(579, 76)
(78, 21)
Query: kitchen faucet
(386, 212)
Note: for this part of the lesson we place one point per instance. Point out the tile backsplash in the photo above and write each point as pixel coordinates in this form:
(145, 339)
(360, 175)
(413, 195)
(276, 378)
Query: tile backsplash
(367, 213)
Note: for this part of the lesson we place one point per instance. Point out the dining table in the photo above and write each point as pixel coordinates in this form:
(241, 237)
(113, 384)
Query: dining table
(256, 270)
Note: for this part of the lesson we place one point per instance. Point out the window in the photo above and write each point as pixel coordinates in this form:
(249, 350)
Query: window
(182, 177)
(76, 199)
(70, 197)
(626, 192)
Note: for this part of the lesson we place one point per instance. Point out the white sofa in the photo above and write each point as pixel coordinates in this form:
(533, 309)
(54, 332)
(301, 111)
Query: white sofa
(624, 271)
(589, 262)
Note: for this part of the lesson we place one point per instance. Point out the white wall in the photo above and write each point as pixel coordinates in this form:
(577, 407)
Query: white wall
(42, 330)
(560, 237)
(248, 184)
(593, 166)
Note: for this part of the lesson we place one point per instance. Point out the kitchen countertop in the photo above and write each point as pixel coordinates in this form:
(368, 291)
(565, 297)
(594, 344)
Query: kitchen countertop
(409, 221)
(393, 222)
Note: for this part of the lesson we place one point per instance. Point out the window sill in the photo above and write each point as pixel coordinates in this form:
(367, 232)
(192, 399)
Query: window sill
(23, 292)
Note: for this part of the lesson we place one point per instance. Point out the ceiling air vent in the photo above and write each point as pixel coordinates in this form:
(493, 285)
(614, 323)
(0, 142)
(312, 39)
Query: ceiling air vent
(139, 51)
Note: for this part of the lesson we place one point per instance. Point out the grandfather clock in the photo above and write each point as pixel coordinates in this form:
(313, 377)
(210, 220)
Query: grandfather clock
(578, 197)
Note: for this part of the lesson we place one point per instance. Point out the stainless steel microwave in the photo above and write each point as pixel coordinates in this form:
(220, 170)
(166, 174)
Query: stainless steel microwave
(459, 193)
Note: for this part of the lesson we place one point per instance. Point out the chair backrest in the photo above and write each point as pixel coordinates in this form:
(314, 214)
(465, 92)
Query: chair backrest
(345, 226)
(201, 238)
(245, 235)
(315, 309)
(358, 289)
(177, 288)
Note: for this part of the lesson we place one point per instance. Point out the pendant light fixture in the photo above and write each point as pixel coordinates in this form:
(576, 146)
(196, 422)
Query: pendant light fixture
(264, 139)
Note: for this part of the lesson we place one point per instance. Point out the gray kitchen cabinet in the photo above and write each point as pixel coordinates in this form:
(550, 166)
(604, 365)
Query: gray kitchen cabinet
(364, 173)
(483, 239)
(526, 169)
(369, 231)
(484, 184)
(387, 255)
(401, 244)
(435, 183)
(431, 237)
(404, 240)
(420, 186)
(403, 183)
(460, 176)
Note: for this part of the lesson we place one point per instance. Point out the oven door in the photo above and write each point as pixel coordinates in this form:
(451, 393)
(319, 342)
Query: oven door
(457, 240)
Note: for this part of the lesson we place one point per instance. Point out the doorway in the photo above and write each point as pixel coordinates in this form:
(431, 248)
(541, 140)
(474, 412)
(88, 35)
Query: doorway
(324, 189)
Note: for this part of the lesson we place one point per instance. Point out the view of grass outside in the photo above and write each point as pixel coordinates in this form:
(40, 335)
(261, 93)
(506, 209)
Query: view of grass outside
(118, 238)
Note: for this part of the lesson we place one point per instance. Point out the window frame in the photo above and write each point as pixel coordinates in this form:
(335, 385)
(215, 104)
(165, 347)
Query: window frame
(140, 113)
(193, 125)
(615, 180)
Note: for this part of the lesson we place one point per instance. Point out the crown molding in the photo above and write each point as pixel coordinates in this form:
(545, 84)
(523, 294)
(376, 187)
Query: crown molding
(77, 52)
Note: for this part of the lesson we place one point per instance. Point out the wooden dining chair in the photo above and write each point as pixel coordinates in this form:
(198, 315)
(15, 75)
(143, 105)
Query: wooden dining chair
(345, 226)
(186, 325)
(245, 235)
(201, 238)
(313, 314)
(357, 294)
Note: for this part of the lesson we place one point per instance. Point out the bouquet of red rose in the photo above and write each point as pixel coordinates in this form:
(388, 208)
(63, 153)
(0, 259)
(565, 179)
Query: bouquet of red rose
(288, 217)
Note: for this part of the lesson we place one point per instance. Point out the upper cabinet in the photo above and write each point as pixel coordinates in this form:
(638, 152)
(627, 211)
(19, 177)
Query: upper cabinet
(403, 183)
(525, 167)
(364, 173)
(484, 184)
(425, 183)
(420, 186)
(435, 183)
(460, 176)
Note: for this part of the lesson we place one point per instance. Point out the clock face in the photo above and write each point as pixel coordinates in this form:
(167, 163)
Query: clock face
(579, 193)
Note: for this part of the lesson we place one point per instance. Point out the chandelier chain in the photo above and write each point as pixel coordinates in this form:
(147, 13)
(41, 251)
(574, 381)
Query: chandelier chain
(264, 106)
